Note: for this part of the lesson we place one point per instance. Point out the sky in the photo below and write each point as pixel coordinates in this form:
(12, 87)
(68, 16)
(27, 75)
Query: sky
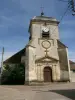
(15, 16)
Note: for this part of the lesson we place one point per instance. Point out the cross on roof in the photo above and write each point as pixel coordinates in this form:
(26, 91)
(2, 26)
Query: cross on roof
(42, 13)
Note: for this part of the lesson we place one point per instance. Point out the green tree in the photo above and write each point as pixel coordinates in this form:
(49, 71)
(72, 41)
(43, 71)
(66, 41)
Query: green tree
(13, 74)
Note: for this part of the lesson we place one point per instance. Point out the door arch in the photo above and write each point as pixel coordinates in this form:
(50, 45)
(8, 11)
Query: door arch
(47, 74)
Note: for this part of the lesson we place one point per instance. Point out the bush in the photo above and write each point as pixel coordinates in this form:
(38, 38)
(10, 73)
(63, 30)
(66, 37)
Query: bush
(13, 74)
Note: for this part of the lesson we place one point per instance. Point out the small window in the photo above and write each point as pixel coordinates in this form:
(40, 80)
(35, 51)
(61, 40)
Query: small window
(45, 34)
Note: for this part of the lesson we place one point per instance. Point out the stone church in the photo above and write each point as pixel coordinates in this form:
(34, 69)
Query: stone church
(45, 57)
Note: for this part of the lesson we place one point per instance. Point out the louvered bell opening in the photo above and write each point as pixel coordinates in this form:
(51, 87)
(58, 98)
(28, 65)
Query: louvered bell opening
(45, 35)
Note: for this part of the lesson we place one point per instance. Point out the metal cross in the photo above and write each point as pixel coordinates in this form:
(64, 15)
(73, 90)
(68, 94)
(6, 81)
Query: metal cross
(42, 13)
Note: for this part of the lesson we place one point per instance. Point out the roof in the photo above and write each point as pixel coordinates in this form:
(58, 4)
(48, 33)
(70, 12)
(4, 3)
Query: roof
(16, 58)
(61, 45)
(71, 62)
(44, 18)
(72, 65)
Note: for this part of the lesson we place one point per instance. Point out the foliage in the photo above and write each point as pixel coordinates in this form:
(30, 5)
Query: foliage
(13, 74)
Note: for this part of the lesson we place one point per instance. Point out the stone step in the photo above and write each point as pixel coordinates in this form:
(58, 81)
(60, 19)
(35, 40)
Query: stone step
(40, 83)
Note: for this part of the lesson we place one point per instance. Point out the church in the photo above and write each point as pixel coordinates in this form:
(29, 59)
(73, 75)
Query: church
(45, 57)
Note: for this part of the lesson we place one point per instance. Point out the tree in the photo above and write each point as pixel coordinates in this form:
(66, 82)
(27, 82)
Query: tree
(13, 74)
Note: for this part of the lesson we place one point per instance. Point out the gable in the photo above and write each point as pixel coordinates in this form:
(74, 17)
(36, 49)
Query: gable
(46, 59)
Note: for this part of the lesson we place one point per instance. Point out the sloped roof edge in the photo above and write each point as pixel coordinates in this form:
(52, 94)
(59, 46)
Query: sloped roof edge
(17, 55)
(62, 43)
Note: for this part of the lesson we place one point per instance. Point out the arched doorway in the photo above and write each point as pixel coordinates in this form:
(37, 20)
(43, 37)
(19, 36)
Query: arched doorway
(47, 74)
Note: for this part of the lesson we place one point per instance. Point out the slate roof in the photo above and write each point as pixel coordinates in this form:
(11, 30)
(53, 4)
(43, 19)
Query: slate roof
(16, 58)
(60, 44)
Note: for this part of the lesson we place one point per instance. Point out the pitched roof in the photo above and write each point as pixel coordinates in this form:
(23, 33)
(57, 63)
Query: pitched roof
(16, 58)
(71, 62)
(60, 44)
(72, 65)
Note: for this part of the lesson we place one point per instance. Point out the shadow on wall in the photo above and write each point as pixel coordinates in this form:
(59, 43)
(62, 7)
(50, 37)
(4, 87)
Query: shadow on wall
(67, 93)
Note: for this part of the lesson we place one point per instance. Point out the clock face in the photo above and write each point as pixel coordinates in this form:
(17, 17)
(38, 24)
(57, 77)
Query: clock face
(45, 29)
(46, 44)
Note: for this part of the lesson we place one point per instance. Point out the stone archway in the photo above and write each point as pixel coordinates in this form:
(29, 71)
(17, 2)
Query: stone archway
(47, 74)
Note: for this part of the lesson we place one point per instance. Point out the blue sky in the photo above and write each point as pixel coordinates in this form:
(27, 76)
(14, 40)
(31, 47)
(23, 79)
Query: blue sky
(14, 22)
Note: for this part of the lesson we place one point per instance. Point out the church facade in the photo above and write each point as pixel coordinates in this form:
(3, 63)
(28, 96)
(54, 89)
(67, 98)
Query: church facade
(45, 56)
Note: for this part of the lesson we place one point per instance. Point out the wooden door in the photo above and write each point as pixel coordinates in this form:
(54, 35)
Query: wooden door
(47, 74)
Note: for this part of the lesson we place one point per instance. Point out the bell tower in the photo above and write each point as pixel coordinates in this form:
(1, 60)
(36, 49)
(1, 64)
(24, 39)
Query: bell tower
(42, 45)
(43, 27)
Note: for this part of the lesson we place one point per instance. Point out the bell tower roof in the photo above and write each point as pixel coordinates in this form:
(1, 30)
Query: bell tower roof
(43, 18)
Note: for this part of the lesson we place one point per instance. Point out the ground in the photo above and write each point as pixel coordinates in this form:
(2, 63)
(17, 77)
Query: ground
(55, 91)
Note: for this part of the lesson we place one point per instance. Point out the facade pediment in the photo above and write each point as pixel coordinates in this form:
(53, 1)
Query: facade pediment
(46, 59)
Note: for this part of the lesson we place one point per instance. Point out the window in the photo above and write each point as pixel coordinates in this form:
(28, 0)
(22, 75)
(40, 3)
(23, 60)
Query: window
(45, 34)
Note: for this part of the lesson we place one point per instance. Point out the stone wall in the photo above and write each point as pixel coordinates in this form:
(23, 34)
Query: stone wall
(63, 59)
(72, 76)
(30, 74)
(39, 69)
(64, 64)
(37, 26)
(64, 75)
